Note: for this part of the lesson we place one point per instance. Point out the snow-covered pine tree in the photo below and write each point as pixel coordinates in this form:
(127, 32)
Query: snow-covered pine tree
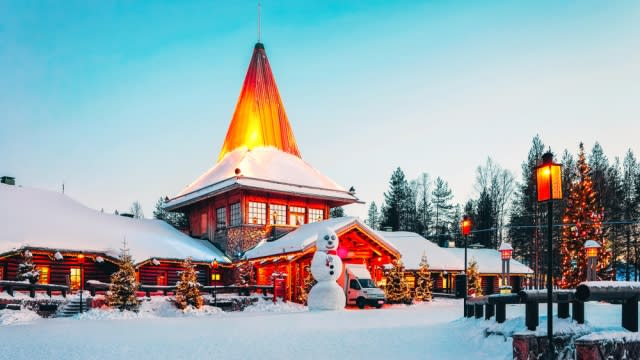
(373, 216)
(243, 273)
(307, 284)
(123, 287)
(474, 287)
(397, 290)
(27, 270)
(337, 212)
(424, 284)
(188, 288)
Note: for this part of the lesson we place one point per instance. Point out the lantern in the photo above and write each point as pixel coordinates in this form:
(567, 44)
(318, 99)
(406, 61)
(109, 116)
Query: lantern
(466, 225)
(549, 179)
(80, 258)
(505, 251)
(592, 248)
(214, 264)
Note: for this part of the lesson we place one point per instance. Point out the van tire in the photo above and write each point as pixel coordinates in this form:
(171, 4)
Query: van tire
(360, 302)
(378, 306)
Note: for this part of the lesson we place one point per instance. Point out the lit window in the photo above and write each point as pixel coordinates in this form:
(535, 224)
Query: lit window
(315, 215)
(1, 273)
(296, 215)
(161, 280)
(410, 280)
(75, 278)
(221, 218)
(278, 214)
(44, 274)
(215, 277)
(203, 223)
(235, 214)
(257, 213)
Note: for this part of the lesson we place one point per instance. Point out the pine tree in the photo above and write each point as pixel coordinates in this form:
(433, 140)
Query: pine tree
(123, 287)
(630, 208)
(424, 284)
(176, 219)
(305, 287)
(397, 203)
(337, 212)
(484, 221)
(243, 273)
(474, 287)
(396, 289)
(424, 207)
(373, 217)
(188, 288)
(441, 197)
(583, 221)
(27, 270)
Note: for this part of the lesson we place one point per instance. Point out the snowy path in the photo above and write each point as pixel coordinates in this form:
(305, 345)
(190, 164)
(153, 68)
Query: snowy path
(424, 331)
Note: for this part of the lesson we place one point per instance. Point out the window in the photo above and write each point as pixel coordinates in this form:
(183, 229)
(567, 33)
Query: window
(44, 274)
(161, 280)
(353, 284)
(203, 223)
(315, 215)
(75, 278)
(1, 273)
(221, 218)
(278, 214)
(296, 215)
(257, 213)
(215, 277)
(236, 216)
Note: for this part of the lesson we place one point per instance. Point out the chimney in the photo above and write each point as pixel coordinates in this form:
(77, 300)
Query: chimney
(8, 180)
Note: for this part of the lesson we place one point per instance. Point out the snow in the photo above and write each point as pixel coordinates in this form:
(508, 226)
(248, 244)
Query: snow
(64, 224)
(430, 330)
(412, 246)
(263, 168)
(58, 256)
(305, 236)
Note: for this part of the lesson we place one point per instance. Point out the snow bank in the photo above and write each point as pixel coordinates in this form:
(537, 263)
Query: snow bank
(18, 317)
(156, 307)
(267, 306)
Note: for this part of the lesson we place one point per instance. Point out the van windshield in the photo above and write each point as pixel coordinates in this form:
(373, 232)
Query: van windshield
(367, 283)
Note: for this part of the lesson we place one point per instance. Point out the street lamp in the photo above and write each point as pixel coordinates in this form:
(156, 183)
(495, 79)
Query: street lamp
(591, 248)
(549, 187)
(214, 277)
(505, 253)
(466, 226)
(81, 262)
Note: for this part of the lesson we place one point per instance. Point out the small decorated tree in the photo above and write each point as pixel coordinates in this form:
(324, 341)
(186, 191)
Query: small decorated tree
(243, 273)
(122, 290)
(397, 289)
(27, 270)
(307, 284)
(473, 277)
(423, 281)
(188, 288)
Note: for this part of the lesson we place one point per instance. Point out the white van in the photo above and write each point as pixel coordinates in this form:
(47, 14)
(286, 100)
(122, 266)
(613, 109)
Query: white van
(359, 287)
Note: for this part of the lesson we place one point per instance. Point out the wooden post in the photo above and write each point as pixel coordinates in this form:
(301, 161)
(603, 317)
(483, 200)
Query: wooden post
(469, 310)
(578, 311)
(10, 290)
(532, 315)
(478, 311)
(501, 312)
(49, 292)
(32, 292)
(630, 314)
(489, 311)
(563, 310)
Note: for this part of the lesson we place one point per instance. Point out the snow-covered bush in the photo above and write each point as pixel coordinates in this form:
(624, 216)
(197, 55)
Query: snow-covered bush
(27, 270)
(188, 288)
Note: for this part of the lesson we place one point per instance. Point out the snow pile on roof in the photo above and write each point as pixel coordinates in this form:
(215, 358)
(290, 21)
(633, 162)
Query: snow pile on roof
(263, 167)
(412, 246)
(490, 261)
(45, 219)
(305, 237)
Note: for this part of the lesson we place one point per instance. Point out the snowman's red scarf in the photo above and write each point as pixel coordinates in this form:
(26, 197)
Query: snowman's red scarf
(332, 252)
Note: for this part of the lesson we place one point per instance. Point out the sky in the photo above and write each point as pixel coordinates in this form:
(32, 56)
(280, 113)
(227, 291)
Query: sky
(128, 101)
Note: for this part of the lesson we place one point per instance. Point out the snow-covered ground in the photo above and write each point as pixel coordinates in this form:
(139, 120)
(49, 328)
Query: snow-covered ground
(283, 331)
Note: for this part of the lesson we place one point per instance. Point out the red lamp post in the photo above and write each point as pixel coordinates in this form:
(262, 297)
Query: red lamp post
(549, 187)
(591, 247)
(505, 253)
(81, 262)
(465, 227)
(214, 278)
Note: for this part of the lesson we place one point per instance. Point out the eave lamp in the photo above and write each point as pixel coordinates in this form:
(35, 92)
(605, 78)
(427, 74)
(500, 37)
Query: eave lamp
(505, 254)
(591, 247)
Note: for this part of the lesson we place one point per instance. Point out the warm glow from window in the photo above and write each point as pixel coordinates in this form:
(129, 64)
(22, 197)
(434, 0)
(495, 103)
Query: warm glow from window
(316, 215)
(278, 214)
(257, 213)
(161, 280)
(44, 274)
(75, 278)
(215, 277)
(296, 215)
(203, 223)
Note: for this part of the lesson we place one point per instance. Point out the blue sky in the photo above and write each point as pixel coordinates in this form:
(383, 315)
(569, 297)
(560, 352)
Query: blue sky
(131, 100)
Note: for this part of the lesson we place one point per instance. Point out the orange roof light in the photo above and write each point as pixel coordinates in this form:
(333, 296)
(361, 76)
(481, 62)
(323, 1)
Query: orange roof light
(259, 118)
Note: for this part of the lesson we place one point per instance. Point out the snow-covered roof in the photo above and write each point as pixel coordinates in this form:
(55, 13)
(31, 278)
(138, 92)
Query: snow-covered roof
(412, 246)
(305, 236)
(46, 219)
(262, 168)
(490, 261)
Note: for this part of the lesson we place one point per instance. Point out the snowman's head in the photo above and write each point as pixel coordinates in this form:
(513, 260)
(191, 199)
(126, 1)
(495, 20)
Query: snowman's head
(327, 240)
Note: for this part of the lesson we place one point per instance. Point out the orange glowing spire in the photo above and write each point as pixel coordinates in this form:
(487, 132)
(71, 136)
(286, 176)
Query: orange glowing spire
(259, 118)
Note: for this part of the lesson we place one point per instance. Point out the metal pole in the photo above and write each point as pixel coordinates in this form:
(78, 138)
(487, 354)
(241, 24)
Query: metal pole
(215, 294)
(466, 281)
(81, 283)
(550, 275)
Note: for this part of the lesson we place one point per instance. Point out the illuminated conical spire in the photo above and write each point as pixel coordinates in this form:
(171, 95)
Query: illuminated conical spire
(259, 118)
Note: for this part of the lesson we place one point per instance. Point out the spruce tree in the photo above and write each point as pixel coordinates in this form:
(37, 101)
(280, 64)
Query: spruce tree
(396, 289)
(583, 221)
(305, 287)
(123, 287)
(424, 284)
(337, 212)
(441, 197)
(474, 287)
(424, 208)
(27, 269)
(188, 288)
(243, 273)
(396, 202)
(373, 216)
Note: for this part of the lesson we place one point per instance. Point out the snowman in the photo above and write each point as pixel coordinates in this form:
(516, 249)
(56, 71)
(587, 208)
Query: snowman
(326, 267)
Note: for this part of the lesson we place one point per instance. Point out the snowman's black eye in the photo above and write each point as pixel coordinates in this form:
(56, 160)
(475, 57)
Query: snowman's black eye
(326, 237)
(333, 237)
